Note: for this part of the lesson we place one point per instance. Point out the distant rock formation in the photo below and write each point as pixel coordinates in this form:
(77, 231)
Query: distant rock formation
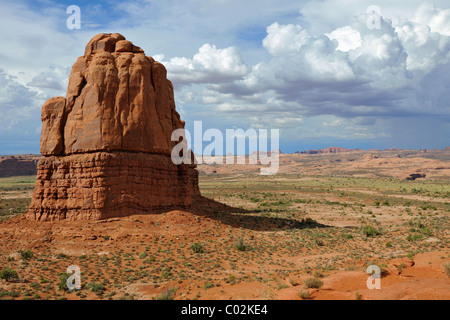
(268, 153)
(327, 150)
(19, 165)
(106, 147)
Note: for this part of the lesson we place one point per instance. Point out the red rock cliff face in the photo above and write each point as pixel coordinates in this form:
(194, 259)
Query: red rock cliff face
(106, 146)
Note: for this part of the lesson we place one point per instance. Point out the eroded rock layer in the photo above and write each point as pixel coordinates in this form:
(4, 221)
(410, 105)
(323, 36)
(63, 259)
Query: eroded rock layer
(106, 146)
(103, 185)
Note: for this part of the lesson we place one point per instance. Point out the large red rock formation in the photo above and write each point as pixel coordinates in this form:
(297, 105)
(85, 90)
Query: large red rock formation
(106, 147)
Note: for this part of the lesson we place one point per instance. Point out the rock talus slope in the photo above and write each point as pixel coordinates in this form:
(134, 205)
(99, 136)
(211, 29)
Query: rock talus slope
(106, 146)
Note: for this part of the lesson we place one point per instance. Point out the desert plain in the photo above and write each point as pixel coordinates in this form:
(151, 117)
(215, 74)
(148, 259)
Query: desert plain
(307, 233)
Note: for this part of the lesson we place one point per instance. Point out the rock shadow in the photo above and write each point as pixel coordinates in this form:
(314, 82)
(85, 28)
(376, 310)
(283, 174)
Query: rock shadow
(242, 218)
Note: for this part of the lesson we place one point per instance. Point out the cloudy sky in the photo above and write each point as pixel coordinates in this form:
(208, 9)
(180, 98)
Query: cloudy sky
(323, 72)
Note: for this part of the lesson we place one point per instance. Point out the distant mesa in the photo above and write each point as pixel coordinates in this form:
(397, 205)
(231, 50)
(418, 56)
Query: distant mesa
(106, 146)
(268, 153)
(327, 150)
(344, 150)
(18, 165)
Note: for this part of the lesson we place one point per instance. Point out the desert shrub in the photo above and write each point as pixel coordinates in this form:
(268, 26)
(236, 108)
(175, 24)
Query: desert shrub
(400, 268)
(282, 286)
(208, 285)
(62, 256)
(169, 294)
(313, 283)
(293, 282)
(9, 274)
(417, 223)
(426, 232)
(414, 237)
(197, 247)
(447, 269)
(318, 274)
(127, 296)
(231, 279)
(150, 259)
(12, 294)
(165, 274)
(143, 255)
(240, 245)
(304, 294)
(369, 231)
(97, 288)
(62, 285)
(319, 242)
(26, 255)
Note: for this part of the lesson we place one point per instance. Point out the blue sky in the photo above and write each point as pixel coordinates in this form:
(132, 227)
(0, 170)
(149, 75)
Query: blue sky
(312, 69)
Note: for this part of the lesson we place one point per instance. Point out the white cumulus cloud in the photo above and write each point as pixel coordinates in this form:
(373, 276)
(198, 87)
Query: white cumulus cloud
(209, 65)
(347, 37)
(285, 39)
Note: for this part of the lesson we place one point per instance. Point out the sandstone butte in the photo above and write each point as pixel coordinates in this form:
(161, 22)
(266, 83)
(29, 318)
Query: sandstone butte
(105, 148)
